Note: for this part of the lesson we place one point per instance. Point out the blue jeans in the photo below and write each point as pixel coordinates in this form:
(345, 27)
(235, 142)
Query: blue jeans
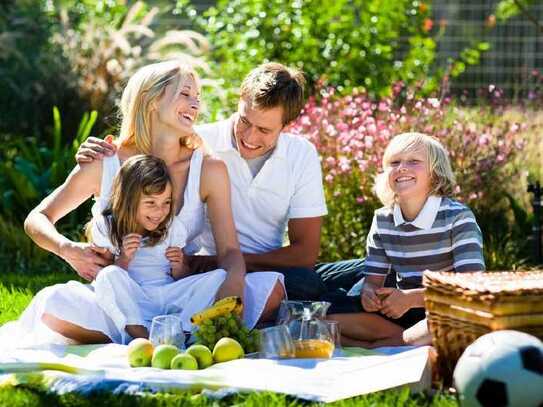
(312, 284)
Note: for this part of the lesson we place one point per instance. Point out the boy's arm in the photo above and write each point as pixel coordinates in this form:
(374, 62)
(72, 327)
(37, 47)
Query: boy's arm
(467, 243)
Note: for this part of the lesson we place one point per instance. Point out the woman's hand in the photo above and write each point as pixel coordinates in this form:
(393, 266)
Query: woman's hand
(396, 303)
(131, 243)
(86, 259)
(177, 262)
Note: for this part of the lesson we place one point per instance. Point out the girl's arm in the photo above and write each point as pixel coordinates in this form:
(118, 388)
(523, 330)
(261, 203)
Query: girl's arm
(215, 192)
(81, 184)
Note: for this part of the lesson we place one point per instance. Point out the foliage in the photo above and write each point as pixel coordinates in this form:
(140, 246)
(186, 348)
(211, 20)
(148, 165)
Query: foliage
(105, 42)
(360, 43)
(78, 54)
(351, 133)
(34, 75)
(30, 169)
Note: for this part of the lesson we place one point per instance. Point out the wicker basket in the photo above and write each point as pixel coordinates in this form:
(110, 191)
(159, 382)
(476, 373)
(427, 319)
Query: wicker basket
(463, 306)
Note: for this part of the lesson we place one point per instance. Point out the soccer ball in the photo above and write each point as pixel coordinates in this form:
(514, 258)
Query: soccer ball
(502, 368)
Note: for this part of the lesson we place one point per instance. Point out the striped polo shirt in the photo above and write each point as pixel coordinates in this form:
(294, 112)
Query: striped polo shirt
(443, 237)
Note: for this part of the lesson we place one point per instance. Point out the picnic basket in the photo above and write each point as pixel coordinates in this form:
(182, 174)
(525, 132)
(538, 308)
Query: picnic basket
(463, 306)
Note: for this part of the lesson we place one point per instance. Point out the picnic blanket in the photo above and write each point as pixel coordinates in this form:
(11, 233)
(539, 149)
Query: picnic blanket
(90, 367)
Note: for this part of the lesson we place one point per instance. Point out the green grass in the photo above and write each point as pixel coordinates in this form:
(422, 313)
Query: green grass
(16, 292)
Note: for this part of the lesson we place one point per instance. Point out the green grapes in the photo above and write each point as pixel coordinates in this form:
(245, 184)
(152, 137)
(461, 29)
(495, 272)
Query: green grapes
(228, 325)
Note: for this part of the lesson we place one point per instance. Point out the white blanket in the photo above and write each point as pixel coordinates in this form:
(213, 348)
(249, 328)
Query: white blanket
(323, 380)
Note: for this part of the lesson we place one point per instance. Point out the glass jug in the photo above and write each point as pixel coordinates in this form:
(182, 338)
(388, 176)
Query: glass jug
(311, 336)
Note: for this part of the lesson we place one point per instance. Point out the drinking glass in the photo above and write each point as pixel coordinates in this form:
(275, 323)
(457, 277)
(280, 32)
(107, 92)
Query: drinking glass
(335, 333)
(276, 343)
(167, 329)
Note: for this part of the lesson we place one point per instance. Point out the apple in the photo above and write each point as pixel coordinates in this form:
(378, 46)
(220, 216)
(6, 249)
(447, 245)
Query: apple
(202, 354)
(163, 355)
(140, 352)
(227, 349)
(184, 361)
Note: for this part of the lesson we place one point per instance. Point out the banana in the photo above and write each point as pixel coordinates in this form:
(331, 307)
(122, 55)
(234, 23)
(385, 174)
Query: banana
(221, 307)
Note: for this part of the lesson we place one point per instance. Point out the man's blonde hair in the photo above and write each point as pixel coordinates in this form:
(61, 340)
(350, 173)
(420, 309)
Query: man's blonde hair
(143, 89)
(439, 165)
(272, 85)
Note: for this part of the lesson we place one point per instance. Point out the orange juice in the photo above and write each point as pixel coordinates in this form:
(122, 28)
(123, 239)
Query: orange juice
(313, 348)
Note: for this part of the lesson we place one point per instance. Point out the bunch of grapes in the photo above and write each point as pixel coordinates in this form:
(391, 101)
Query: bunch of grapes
(231, 326)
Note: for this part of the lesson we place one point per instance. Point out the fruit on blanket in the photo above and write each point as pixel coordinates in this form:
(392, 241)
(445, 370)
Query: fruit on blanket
(227, 305)
(202, 354)
(163, 355)
(231, 326)
(140, 352)
(184, 361)
(227, 349)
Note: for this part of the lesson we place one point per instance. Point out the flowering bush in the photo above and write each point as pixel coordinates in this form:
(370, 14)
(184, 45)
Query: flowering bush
(351, 133)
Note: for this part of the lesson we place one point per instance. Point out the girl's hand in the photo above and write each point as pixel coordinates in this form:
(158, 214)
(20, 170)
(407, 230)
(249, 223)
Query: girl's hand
(176, 257)
(396, 303)
(131, 243)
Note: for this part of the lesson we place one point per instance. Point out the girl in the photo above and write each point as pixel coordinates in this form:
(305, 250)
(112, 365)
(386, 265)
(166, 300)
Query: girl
(159, 106)
(139, 229)
(419, 228)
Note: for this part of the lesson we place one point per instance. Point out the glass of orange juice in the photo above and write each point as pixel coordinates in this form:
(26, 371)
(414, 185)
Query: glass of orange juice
(313, 348)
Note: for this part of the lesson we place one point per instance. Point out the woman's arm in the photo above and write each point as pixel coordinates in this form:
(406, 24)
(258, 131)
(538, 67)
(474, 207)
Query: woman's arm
(215, 192)
(81, 184)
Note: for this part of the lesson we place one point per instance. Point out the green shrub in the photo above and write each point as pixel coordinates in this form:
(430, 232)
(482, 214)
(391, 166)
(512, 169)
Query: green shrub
(370, 43)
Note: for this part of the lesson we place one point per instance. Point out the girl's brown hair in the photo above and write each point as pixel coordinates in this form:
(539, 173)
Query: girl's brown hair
(139, 175)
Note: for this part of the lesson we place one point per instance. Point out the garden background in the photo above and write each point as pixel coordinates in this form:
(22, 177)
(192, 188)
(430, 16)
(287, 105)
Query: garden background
(468, 72)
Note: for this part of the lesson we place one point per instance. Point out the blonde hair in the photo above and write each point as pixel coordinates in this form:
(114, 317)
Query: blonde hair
(272, 85)
(139, 175)
(439, 165)
(142, 90)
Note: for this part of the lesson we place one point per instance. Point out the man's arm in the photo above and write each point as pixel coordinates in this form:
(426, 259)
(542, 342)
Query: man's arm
(304, 236)
(303, 250)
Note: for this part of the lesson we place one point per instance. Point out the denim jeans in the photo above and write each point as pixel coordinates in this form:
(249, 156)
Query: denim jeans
(302, 283)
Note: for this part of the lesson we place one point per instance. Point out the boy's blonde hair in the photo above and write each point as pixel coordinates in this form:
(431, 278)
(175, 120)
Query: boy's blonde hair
(142, 91)
(439, 165)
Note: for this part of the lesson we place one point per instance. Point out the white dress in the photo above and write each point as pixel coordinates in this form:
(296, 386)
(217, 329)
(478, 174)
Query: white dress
(115, 299)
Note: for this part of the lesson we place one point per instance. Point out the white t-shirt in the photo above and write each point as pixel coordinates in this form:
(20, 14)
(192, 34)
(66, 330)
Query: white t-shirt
(288, 186)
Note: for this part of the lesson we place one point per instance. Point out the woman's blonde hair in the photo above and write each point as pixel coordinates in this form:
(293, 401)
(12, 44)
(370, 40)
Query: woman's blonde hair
(139, 175)
(439, 165)
(143, 89)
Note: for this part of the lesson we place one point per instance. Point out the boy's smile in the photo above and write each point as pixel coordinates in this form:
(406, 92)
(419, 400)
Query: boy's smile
(409, 175)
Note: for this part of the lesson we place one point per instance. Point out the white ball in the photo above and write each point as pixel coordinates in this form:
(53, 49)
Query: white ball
(502, 368)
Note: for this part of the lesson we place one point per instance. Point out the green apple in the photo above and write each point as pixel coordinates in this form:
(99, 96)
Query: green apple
(184, 361)
(202, 354)
(140, 352)
(227, 349)
(163, 355)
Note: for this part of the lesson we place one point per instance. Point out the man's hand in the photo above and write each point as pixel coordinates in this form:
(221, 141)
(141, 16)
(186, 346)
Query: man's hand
(86, 259)
(370, 300)
(176, 258)
(95, 149)
(396, 303)
(234, 284)
(131, 243)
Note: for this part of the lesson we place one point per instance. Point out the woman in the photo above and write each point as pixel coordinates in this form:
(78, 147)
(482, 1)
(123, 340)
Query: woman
(158, 106)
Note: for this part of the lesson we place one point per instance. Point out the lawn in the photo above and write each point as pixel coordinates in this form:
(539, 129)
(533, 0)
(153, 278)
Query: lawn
(16, 291)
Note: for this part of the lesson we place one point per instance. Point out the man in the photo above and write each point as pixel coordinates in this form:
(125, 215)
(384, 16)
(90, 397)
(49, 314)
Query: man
(276, 184)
